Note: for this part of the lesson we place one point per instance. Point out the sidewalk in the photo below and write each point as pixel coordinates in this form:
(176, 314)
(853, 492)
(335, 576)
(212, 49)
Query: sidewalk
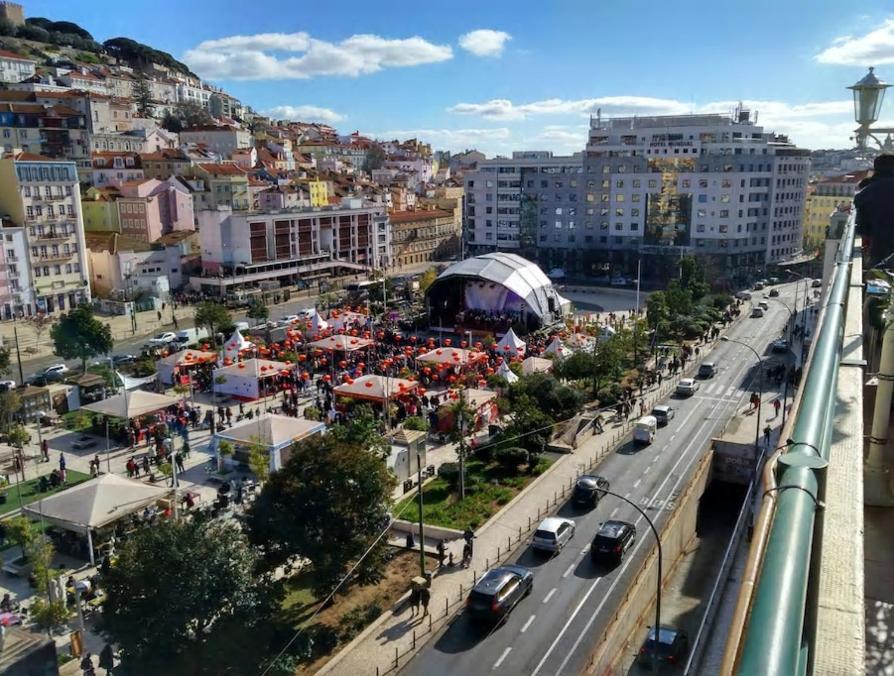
(388, 643)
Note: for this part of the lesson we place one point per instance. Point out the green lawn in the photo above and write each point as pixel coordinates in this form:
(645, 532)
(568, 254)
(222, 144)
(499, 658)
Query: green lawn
(489, 488)
(30, 494)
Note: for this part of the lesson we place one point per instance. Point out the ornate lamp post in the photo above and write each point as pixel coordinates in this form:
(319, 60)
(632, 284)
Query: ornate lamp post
(869, 93)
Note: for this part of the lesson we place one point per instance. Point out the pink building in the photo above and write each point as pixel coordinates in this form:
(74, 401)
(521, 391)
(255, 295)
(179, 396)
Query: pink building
(151, 208)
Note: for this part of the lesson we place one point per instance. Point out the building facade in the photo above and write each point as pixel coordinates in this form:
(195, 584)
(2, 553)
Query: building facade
(15, 68)
(825, 198)
(423, 235)
(651, 189)
(41, 196)
(221, 140)
(290, 245)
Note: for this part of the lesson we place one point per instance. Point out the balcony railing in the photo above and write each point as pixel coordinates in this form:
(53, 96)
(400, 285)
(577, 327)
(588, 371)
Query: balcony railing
(52, 235)
(52, 257)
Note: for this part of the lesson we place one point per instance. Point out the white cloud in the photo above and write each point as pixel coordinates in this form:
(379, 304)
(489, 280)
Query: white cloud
(279, 56)
(504, 109)
(876, 47)
(484, 42)
(304, 114)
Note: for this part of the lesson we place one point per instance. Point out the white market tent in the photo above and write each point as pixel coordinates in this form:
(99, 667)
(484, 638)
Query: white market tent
(236, 344)
(95, 503)
(185, 358)
(131, 404)
(316, 325)
(243, 379)
(507, 373)
(536, 365)
(510, 344)
(375, 388)
(556, 348)
(341, 343)
(276, 433)
(346, 319)
(456, 356)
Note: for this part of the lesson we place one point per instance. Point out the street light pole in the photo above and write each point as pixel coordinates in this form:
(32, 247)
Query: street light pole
(655, 659)
(421, 533)
(760, 396)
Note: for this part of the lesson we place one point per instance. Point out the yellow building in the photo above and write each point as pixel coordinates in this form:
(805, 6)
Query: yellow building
(100, 210)
(319, 193)
(823, 201)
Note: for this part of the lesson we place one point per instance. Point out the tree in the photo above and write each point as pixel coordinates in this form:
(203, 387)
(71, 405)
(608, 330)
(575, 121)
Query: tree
(21, 531)
(259, 460)
(362, 430)
(142, 94)
(342, 493)
(79, 335)
(172, 123)
(10, 405)
(258, 311)
(375, 158)
(194, 115)
(212, 316)
(172, 586)
(427, 279)
(5, 361)
(39, 323)
(692, 277)
(6, 27)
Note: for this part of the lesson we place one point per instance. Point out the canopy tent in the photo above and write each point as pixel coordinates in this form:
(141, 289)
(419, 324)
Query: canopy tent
(375, 388)
(556, 348)
(536, 365)
(131, 404)
(510, 344)
(341, 343)
(347, 319)
(316, 325)
(581, 341)
(183, 359)
(457, 356)
(507, 373)
(94, 504)
(243, 379)
(236, 344)
(276, 433)
(482, 402)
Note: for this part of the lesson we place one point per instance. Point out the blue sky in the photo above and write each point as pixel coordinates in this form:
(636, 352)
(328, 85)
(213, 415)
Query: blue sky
(522, 75)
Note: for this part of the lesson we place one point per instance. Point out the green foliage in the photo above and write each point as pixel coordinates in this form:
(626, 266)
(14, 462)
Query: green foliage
(427, 279)
(342, 493)
(10, 404)
(142, 94)
(156, 617)
(139, 55)
(692, 277)
(225, 448)
(449, 472)
(49, 614)
(172, 123)
(375, 157)
(556, 400)
(312, 413)
(258, 311)
(510, 458)
(212, 316)
(79, 335)
(33, 32)
(362, 430)
(416, 422)
(259, 460)
(18, 436)
(356, 620)
(530, 427)
(7, 27)
(21, 531)
(144, 367)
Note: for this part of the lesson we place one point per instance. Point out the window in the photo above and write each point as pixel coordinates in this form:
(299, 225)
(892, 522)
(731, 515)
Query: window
(702, 198)
(637, 183)
(686, 183)
(702, 183)
(634, 212)
(619, 183)
(619, 226)
(558, 225)
(619, 212)
(558, 211)
(724, 198)
(635, 198)
(619, 198)
(653, 183)
(634, 226)
(724, 213)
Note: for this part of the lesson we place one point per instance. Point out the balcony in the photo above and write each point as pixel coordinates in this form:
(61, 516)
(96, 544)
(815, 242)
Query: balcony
(51, 236)
(51, 257)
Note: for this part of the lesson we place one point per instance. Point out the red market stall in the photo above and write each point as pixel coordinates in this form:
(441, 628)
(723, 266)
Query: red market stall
(452, 356)
(483, 402)
(375, 388)
(245, 379)
(341, 343)
(180, 363)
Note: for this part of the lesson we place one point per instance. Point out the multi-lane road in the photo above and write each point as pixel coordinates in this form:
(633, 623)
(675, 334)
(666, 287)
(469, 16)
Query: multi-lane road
(554, 630)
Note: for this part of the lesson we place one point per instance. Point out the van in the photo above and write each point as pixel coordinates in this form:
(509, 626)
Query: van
(707, 369)
(644, 429)
(189, 336)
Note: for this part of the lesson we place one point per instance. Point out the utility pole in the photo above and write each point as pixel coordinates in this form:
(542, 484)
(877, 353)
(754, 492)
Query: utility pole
(421, 533)
(462, 446)
(15, 334)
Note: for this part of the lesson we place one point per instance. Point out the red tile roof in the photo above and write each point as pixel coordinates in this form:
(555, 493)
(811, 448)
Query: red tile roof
(223, 169)
(31, 157)
(5, 54)
(421, 215)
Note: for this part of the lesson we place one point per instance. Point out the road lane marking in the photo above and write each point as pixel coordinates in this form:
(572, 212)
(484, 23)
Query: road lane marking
(614, 512)
(568, 570)
(645, 471)
(549, 595)
(528, 624)
(503, 656)
(673, 436)
(627, 494)
(637, 483)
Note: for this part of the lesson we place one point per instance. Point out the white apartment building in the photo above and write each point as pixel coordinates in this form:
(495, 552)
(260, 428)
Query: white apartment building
(220, 140)
(45, 253)
(290, 245)
(647, 187)
(15, 68)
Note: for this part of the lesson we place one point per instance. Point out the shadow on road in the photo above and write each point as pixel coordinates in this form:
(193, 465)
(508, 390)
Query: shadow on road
(463, 634)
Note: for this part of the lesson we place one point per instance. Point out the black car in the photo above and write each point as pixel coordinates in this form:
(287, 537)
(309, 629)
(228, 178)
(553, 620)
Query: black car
(612, 542)
(673, 645)
(122, 359)
(774, 293)
(498, 591)
(587, 490)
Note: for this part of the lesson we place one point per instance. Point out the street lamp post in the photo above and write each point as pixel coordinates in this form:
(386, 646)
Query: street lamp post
(869, 92)
(657, 629)
(760, 396)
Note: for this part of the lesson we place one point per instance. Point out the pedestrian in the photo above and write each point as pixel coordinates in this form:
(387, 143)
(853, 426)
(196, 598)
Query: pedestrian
(45, 450)
(87, 665)
(107, 659)
(767, 432)
(62, 466)
(178, 459)
(146, 469)
(442, 553)
(776, 405)
(415, 598)
(469, 536)
(424, 598)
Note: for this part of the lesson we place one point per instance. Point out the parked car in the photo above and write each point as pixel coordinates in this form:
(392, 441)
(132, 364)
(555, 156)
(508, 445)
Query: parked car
(757, 312)
(122, 359)
(687, 387)
(498, 591)
(774, 293)
(7, 385)
(620, 281)
(744, 295)
(707, 369)
(587, 489)
(672, 646)
(780, 345)
(774, 280)
(663, 414)
(612, 541)
(185, 337)
(644, 430)
(552, 534)
(758, 286)
(162, 339)
(55, 370)
(288, 319)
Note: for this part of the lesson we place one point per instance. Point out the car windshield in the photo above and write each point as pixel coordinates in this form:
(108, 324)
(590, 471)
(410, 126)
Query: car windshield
(603, 541)
(479, 599)
(545, 535)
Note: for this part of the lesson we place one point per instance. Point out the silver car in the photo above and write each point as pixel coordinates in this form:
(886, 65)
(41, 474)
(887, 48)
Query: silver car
(552, 534)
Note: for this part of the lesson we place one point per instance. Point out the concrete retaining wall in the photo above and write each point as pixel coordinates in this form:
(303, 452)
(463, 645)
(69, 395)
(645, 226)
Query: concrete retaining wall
(431, 532)
(614, 652)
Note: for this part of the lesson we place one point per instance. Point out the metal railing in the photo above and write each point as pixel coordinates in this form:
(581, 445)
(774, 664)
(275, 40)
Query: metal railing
(774, 639)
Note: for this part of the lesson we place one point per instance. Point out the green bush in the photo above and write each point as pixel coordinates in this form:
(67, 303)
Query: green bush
(312, 413)
(510, 458)
(356, 620)
(417, 423)
(609, 395)
(449, 472)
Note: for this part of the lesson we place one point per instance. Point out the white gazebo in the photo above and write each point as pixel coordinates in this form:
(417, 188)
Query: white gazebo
(453, 356)
(96, 503)
(243, 379)
(375, 388)
(507, 373)
(170, 365)
(341, 343)
(236, 345)
(556, 348)
(510, 344)
(316, 325)
(346, 319)
(275, 433)
(131, 404)
(536, 365)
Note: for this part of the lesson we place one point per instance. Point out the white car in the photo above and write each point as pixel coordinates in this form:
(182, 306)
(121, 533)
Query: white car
(289, 319)
(552, 534)
(55, 370)
(687, 387)
(162, 339)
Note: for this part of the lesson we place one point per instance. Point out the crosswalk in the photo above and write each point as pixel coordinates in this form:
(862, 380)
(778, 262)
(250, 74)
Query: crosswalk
(718, 389)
